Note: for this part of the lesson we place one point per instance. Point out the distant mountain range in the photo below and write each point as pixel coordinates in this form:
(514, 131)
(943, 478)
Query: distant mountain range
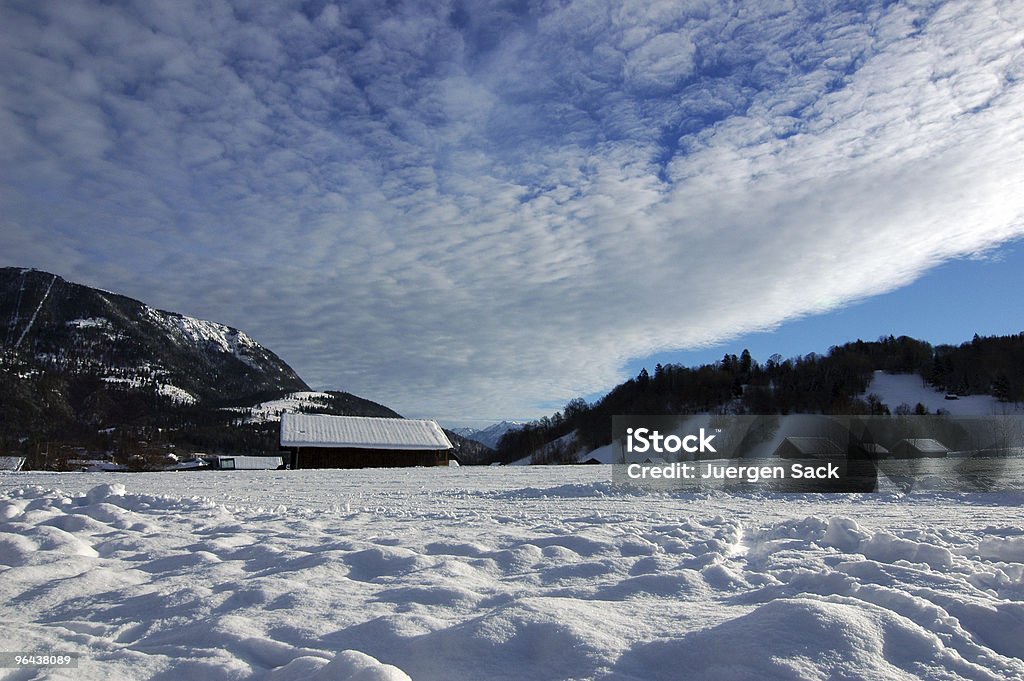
(490, 435)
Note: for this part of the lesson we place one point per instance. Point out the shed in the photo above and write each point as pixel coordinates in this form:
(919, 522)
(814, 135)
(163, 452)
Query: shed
(919, 447)
(808, 448)
(325, 441)
(874, 450)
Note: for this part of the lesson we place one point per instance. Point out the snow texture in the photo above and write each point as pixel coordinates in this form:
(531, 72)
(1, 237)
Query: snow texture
(176, 394)
(312, 430)
(911, 389)
(292, 403)
(201, 333)
(541, 573)
(11, 463)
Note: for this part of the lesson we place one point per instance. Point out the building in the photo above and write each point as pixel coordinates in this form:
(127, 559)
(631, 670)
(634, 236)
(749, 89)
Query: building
(808, 448)
(919, 447)
(323, 441)
(244, 463)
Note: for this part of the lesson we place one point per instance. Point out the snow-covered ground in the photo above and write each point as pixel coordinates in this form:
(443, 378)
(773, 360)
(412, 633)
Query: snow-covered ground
(911, 389)
(292, 403)
(537, 573)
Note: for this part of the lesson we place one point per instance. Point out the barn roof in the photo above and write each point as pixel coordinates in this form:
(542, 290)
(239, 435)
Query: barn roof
(813, 446)
(925, 444)
(361, 432)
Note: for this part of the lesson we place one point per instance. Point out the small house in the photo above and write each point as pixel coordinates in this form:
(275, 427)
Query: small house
(325, 441)
(808, 448)
(920, 447)
(244, 463)
(875, 450)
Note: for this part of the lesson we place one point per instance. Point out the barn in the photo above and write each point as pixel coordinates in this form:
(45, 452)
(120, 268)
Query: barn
(325, 441)
(808, 448)
(920, 447)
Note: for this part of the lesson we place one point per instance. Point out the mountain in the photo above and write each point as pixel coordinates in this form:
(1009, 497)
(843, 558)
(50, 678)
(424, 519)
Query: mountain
(490, 435)
(55, 324)
(97, 370)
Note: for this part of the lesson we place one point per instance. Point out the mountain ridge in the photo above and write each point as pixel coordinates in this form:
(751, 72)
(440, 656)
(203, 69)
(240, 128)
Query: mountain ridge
(77, 362)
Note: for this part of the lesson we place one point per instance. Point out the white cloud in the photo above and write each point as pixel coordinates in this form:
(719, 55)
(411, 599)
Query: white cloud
(476, 212)
(661, 62)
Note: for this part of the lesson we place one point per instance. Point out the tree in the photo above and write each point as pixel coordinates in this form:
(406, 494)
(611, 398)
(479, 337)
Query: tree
(746, 362)
(574, 409)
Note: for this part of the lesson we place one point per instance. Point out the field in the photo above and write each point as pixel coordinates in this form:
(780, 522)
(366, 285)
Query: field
(538, 573)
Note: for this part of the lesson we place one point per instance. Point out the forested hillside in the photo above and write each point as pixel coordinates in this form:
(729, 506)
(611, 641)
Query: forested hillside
(832, 383)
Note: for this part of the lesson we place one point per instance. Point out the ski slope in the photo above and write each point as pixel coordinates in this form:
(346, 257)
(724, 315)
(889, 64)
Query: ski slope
(540, 573)
(911, 389)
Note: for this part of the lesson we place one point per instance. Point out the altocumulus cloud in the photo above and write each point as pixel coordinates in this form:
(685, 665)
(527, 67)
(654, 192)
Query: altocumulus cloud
(478, 209)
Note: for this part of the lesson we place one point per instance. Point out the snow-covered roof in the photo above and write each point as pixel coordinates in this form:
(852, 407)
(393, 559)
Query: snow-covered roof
(814, 446)
(362, 432)
(926, 444)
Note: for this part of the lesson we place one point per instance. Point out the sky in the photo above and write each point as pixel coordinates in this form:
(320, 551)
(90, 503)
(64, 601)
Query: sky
(476, 211)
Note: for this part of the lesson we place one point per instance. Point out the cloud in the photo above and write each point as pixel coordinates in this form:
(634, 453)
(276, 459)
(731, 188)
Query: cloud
(478, 210)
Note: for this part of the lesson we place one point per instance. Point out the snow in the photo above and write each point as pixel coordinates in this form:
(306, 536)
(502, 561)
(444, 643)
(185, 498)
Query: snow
(11, 463)
(910, 389)
(312, 430)
(176, 394)
(606, 454)
(563, 443)
(200, 333)
(503, 573)
(491, 435)
(291, 403)
(90, 323)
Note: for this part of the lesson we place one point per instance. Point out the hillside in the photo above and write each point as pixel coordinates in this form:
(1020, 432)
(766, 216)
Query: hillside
(85, 369)
(984, 372)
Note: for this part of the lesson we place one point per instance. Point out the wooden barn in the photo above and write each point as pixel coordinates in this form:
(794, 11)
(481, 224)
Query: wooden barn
(323, 441)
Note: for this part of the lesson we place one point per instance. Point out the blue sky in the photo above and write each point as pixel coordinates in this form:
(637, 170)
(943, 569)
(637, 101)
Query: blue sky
(478, 210)
(948, 304)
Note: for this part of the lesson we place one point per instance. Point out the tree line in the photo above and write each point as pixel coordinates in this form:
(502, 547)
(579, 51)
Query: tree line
(830, 383)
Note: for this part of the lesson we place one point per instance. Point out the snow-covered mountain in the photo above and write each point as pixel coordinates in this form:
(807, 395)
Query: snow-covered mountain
(56, 325)
(490, 435)
(89, 369)
(329, 402)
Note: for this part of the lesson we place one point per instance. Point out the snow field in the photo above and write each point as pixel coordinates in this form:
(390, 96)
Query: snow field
(910, 389)
(527, 573)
